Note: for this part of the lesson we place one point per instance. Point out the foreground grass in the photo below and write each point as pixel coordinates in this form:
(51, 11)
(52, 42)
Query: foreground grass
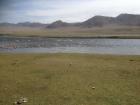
(68, 79)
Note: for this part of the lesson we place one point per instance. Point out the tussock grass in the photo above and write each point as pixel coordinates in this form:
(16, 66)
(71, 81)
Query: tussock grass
(68, 79)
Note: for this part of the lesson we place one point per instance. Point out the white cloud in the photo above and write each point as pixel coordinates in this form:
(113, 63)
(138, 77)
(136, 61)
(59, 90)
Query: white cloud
(70, 10)
(83, 9)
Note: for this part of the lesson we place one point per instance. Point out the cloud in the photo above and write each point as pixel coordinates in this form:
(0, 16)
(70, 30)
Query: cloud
(66, 10)
(83, 9)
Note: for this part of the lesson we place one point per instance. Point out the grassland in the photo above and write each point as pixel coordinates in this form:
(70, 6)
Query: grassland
(120, 32)
(70, 79)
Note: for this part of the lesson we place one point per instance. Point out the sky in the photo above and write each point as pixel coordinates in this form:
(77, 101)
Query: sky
(47, 11)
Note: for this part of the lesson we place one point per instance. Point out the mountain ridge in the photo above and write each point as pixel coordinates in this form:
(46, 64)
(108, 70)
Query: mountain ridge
(96, 21)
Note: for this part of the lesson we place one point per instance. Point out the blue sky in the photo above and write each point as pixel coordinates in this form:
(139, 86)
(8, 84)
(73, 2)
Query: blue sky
(47, 11)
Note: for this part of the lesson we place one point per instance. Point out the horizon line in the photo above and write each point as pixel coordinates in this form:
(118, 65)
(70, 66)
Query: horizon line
(65, 21)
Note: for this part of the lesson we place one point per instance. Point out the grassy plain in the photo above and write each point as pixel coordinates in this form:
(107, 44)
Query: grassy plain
(120, 32)
(70, 79)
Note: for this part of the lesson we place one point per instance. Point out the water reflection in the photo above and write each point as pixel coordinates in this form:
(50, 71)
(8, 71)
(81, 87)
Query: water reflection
(69, 45)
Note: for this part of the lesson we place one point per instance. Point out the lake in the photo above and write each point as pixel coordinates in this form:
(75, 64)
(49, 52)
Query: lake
(69, 45)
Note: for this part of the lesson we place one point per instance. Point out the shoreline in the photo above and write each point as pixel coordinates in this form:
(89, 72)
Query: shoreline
(58, 53)
(83, 36)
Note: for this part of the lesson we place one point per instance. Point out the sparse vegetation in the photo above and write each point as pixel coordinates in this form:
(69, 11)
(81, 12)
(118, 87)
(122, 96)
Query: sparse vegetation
(70, 79)
(120, 32)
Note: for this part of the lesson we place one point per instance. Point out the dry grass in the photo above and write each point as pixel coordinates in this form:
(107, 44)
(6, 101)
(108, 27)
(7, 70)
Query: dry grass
(72, 31)
(70, 79)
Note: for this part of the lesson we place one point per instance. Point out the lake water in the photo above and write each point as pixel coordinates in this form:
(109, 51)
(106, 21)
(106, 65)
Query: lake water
(69, 45)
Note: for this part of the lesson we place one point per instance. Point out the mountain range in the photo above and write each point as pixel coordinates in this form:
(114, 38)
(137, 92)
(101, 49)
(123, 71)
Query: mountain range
(96, 21)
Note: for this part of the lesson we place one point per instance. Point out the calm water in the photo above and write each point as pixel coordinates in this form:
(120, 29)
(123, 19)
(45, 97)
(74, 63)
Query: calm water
(69, 45)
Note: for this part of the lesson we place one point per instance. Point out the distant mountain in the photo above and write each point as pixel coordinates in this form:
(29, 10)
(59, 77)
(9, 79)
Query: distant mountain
(24, 24)
(122, 19)
(128, 19)
(29, 24)
(58, 23)
(99, 21)
(96, 21)
(7, 24)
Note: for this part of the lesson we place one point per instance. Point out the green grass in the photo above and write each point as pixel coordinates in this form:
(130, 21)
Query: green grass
(67, 79)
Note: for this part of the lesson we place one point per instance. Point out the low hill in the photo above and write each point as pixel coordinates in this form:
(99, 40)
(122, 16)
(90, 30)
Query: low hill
(58, 24)
(24, 24)
(29, 24)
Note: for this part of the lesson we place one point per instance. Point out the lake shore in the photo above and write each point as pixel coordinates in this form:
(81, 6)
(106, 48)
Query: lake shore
(84, 36)
(74, 79)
